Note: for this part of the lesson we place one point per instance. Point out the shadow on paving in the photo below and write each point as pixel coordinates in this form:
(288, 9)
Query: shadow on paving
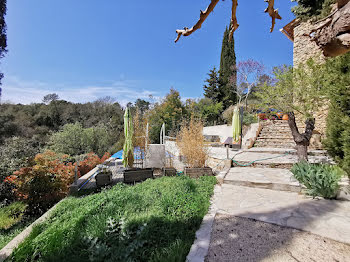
(245, 239)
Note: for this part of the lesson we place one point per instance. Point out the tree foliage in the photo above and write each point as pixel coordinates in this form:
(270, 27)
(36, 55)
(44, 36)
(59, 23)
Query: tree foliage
(228, 71)
(298, 90)
(50, 97)
(170, 111)
(74, 140)
(205, 109)
(3, 34)
(212, 88)
(337, 80)
(314, 9)
(38, 121)
(16, 152)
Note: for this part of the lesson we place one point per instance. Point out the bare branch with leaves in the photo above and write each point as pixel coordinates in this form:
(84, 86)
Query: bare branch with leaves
(249, 73)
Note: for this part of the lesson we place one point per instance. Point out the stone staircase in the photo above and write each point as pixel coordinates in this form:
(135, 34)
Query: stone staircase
(275, 134)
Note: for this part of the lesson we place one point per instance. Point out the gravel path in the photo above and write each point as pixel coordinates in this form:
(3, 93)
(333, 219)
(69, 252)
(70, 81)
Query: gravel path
(243, 239)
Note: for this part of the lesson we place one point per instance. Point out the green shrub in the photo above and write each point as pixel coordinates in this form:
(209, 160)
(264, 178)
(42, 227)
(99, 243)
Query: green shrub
(74, 139)
(319, 179)
(11, 215)
(337, 80)
(249, 118)
(152, 221)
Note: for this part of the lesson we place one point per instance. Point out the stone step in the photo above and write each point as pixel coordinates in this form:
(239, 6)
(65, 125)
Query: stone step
(276, 137)
(274, 145)
(286, 166)
(275, 142)
(275, 131)
(277, 126)
(266, 178)
(280, 151)
(284, 145)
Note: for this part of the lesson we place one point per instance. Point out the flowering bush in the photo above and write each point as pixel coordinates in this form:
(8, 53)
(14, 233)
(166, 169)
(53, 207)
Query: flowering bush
(49, 179)
(46, 182)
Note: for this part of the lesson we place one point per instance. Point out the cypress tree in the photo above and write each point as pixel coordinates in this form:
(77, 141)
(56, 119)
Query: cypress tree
(3, 36)
(337, 142)
(228, 71)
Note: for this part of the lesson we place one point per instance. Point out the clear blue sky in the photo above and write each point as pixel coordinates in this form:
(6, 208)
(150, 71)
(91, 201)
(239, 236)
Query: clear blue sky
(86, 49)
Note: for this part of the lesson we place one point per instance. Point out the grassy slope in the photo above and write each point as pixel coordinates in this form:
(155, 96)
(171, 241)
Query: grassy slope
(10, 222)
(152, 221)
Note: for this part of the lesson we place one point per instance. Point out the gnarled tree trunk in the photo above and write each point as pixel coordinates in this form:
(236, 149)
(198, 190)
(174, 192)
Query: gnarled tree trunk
(332, 33)
(302, 140)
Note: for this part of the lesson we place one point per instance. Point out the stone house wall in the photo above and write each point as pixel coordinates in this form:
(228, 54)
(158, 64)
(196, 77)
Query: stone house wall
(304, 49)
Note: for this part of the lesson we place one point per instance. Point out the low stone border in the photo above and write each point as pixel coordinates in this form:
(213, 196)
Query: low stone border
(200, 246)
(6, 251)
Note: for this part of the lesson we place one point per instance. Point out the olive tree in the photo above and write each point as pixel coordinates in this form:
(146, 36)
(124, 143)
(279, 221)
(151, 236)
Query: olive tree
(298, 91)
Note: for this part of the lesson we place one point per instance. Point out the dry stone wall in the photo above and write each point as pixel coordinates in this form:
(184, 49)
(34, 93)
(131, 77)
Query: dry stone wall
(305, 48)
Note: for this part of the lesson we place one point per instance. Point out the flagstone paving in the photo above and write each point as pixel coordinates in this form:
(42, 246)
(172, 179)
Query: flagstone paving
(242, 239)
(327, 218)
(269, 178)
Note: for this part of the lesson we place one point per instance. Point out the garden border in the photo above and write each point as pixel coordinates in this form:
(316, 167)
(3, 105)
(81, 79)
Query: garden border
(200, 246)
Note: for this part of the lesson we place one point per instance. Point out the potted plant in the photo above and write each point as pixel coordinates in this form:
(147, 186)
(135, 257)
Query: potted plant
(190, 141)
(131, 174)
(104, 176)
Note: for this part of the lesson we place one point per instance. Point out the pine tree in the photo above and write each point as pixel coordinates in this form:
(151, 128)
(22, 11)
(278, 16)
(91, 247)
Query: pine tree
(211, 90)
(228, 71)
(312, 9)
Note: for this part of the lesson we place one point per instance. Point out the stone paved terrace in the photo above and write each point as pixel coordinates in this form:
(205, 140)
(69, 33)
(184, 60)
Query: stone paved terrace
(269, 178)
(327, 218)
(241, 239)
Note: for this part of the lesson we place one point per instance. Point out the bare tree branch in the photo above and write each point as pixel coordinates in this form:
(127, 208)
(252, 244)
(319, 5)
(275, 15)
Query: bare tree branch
(203, 16)
(272, 12)
(234, 24)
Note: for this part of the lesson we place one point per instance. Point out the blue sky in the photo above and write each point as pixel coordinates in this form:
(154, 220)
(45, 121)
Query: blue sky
(87, 49)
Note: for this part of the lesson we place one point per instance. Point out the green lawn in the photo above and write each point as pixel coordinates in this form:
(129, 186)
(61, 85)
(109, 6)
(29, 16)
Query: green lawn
(11, 222)
(152, 221)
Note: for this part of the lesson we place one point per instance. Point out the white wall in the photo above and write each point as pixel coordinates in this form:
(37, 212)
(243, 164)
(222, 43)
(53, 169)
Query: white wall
(223, 131)
(155, 156)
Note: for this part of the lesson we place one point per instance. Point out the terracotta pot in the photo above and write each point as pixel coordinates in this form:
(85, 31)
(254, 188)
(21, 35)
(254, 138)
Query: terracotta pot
(262, 116)
(285, 117)
(279, 115)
